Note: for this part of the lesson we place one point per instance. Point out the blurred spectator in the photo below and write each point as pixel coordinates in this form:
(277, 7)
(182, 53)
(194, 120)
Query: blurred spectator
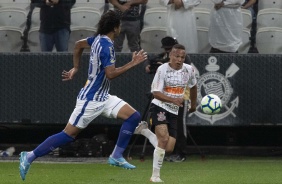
(182, 22)
(249, 4)
(106, 6)
(252, 5)
(55, 20)
(226, 26)
(129, 12)
(152, 64)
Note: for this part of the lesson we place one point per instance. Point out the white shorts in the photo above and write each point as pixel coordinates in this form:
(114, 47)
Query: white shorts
(87, 111)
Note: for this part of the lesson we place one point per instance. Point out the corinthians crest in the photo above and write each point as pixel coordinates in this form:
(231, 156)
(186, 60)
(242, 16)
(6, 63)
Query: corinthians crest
(218, 84)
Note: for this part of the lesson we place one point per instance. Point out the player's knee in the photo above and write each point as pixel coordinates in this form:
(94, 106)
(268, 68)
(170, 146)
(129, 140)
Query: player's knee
(135, 118)
(162, 141)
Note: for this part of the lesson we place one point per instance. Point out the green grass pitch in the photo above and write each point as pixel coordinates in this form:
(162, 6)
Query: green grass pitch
(212, 170)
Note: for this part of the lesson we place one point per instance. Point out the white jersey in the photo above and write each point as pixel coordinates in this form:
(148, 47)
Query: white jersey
(172, 83)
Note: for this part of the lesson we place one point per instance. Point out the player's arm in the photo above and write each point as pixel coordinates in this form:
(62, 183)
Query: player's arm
(137, 58)
(136, 2)
(157, 89)
(193, 98)
(79, 46)
(249, 4)
(162, 97)
(192, 84)
(78, 50)
(121, 7)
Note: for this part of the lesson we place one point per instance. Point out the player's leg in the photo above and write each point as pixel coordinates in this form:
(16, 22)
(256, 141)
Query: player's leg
(51, 143)
(82, 115)
(181, 137)
(159, 152)
(165, 130)
(143, 129)
(119, 109)
(159, 120)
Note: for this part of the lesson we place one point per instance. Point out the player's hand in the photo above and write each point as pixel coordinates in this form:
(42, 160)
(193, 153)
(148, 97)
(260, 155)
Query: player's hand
(178, 4)
(192, 109)
(219, 5)
(69, 75)
(178, 101)
(138, 57)
(51, 2)
(125, 7)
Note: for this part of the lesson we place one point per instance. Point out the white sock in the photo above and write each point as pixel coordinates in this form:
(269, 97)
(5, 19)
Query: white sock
(158, 159)
(151, 136)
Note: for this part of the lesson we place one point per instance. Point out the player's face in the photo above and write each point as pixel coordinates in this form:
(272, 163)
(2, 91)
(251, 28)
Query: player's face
(177, 58)
(117, 31)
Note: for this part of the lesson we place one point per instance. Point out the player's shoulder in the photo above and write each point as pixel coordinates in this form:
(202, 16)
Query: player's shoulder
(106, 40)
(100, 41)
(163, 66)
(187, 66)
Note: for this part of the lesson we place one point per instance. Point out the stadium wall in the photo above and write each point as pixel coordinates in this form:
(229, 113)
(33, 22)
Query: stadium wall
(249, 85)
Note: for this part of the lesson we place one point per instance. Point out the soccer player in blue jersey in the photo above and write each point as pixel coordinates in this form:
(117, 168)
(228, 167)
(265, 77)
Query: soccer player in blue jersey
(94, 98)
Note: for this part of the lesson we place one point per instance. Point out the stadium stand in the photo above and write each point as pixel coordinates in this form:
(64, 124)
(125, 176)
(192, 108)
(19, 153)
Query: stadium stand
(33, 40)
(155, 17)
(208, 4)
(150, 38)
(85, 16)
(21, 4)
(79, 32)
(270, 17)
(12, 17)
(35, 18)
(154, 4)
(247, 18)
(10, 39)
(203, 40)
(264, 4)
(268, 40)
(244, 48)
(202, 17)
(97, 4)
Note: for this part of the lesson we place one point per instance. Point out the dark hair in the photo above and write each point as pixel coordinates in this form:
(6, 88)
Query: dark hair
(108, 22)
(168, 42)
(178, 46)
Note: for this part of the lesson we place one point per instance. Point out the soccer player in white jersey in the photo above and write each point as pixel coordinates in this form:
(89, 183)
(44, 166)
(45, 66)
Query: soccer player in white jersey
(168, 89)
(93, 99)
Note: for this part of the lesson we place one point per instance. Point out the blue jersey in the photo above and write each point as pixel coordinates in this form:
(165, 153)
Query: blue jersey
(102, 55)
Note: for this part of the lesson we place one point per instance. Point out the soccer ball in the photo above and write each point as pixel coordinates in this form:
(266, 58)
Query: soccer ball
(211, 104)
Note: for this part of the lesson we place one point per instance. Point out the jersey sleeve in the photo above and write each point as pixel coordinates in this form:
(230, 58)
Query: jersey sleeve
(90, 40)
(158, 81)
(192, 78)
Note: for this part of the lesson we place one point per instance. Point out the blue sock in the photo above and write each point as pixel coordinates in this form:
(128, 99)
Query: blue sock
(50, 144)
(125, 134)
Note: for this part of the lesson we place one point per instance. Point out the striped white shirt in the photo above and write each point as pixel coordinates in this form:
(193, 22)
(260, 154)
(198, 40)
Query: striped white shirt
(102, 55)
(172, 83)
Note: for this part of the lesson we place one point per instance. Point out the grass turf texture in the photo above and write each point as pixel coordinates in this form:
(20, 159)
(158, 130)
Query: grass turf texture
(213, 170)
